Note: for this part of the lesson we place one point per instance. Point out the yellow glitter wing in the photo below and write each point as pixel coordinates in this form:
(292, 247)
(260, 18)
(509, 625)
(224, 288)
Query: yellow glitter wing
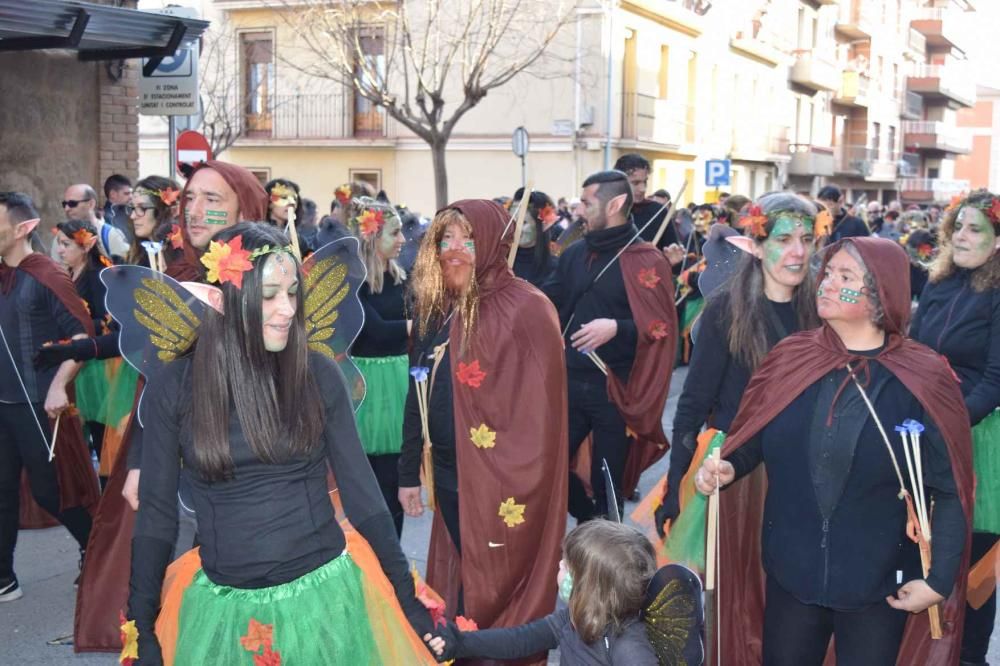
(326, 289)
(171, 324)
(670, 620)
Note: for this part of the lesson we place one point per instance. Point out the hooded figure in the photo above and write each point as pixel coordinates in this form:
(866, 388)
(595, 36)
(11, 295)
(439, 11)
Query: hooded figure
(822, 503)
(503, 367)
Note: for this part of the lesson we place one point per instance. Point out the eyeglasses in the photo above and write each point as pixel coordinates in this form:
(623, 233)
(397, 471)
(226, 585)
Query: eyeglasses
(142, 210)
(73, 203)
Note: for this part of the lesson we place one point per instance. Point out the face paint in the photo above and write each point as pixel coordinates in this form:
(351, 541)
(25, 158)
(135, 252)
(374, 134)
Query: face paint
(528, 235)
(848, 295)
(216, 217)
(470, 247)
(279, 263)
(566, 587)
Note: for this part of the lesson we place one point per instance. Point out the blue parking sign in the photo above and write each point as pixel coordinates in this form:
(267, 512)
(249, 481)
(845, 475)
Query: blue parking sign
(717, 172)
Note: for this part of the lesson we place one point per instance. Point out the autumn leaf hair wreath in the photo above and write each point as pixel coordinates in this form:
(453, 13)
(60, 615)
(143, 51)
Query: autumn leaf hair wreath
(989, 205)
(754, 221)
(227, 261)
(167, 195)
(369, 222)
(343, 194)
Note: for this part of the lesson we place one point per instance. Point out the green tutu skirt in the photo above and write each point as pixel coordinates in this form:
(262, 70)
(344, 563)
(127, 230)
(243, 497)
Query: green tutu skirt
(380, 417)
(105, 391)
(986, 464)
(319, 618)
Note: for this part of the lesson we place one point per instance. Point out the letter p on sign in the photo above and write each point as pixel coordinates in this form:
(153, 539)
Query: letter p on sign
(717, 173)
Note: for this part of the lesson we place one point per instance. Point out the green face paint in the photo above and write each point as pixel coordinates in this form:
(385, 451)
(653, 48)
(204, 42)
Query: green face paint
(216, 217)
(784, 225)
(566, 587)
(849, 295)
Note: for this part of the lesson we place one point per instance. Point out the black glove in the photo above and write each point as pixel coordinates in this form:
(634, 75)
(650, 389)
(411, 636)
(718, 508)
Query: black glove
(452, 642)
(150, 653)
(51, 356)
(681, 454)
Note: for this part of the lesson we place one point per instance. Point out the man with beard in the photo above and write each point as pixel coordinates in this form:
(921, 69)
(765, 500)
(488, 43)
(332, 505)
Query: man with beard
(491, 352)
(615, 300)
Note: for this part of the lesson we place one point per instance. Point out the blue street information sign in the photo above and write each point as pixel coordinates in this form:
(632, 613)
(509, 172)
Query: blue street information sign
(717, 173)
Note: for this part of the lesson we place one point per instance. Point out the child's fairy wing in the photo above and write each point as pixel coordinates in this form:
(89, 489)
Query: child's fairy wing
(158, 317)
(333, 312)
(674, 616)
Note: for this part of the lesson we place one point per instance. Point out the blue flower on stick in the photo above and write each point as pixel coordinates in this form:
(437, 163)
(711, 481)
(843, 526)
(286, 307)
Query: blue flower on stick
(419, 373)
(914, 427)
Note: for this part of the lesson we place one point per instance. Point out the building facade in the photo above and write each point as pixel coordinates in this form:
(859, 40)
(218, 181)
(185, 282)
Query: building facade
(796, 93)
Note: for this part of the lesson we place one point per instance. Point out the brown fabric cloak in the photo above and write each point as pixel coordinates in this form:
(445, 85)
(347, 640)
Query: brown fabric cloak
(253, 200)
(77, 482)
(508, 567)
(646, 274)
(792, 366)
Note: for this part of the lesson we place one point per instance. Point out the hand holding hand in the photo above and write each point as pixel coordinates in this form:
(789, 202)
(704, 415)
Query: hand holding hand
(915, 596)
(714, 473)
(593, 334)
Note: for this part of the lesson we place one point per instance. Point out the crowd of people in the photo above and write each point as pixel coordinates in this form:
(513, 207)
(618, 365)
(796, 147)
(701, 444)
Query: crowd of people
(234, 404)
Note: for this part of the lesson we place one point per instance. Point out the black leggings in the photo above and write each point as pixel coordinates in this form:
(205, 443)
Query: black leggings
(22, 446)
(798, 634)
(386, 468)
(979, 622)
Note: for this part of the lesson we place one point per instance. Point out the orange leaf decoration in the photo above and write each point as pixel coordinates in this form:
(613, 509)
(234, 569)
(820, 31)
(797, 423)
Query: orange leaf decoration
(755, 222)
(994, 210)
(470, 374)
(258, 636)
(226, 262)
(465, 624)
(657, 329)
(548, 215)
(267, 658)
(169, 195)
(343, 194)
(956, 201)
(82, 237)
(824, 224)
(925, 250)
(130, 640)
(176, 237)
(105, 262)
(370, 222)
(648, 278)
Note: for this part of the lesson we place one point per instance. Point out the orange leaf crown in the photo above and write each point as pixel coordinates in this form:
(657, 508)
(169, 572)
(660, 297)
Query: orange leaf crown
(82, 237)
(168, 195)
(227, 261)
(369, 222)
(548, 214)
(990, 207)
(343, 194)
(755, 222)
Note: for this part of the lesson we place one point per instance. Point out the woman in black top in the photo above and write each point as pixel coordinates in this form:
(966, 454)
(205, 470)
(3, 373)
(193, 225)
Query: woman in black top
(251, 418)
(380, 350)
(959, 317)
(534, 261)
(769, 297)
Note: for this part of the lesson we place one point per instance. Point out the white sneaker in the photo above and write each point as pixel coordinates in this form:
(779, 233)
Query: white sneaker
(10, 590)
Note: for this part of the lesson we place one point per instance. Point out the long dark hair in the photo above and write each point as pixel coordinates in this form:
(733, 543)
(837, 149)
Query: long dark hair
(275, 397)
(95, 259)
(163, 213)
(748, 306)
(298, 198)
(542, 252)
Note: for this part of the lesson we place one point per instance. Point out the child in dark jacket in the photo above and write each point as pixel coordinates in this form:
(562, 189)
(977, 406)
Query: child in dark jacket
(620, 609)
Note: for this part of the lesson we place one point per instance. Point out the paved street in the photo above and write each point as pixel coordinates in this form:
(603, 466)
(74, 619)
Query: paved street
(46, 566)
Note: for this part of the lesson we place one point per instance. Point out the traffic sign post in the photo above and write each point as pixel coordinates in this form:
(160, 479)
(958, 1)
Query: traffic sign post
(171, 89)
(717, 173)
(192, 149)
(519, 142)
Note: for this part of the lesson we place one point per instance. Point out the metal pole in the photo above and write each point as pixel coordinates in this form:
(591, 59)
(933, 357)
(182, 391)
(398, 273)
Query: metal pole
(523, 172)
(172, 147)
(611, 52)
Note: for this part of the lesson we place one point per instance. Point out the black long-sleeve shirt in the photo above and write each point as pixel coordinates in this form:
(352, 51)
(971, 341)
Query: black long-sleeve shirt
(715, 383)
(384, 332)
(963, 325)
(441, 417)
(525, 268)
(270, 523)
(578, 297)
(834, 529)
(630, 647)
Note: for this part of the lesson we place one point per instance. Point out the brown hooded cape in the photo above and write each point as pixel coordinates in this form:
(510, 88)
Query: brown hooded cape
(641, 400)
(77, 482)
(792, 366)
(507, 573)
(253, 200)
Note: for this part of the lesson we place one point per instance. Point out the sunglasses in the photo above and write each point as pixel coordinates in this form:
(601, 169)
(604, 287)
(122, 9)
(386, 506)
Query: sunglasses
(73, 203)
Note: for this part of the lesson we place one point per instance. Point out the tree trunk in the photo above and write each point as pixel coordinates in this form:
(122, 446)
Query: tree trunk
(440, 171)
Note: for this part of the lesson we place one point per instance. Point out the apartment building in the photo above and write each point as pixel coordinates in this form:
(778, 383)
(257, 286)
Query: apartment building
(938, 86)
(981, 166)
(796, 93)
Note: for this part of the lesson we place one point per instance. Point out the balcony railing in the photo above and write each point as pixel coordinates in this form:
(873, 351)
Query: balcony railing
(916, 43)
(909, 165)
(314, 116)
(929, 190)
(648, 118)
(857, 19)
(810, 160)
(853, 89)
(866, 162)
(749, 142)
(943, 27)
(935, 135)
(952, 81)
(814, 70)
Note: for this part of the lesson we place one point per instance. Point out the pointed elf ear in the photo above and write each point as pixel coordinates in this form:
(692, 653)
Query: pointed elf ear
(744, 243)
(30, 225)
(206, 293)
(615, 205)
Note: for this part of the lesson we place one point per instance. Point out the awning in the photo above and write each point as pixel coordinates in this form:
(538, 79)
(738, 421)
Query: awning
(95, 32)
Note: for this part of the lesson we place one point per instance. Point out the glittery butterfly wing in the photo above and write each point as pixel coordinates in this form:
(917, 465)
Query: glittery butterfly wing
(333, 312)
(159, 318)
(674, 616)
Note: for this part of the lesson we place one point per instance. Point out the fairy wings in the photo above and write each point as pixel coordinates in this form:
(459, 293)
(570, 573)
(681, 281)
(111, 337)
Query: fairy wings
(160, 317)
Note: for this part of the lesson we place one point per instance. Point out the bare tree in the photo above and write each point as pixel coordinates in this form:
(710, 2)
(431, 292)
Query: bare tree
(428, 62)
(222, 97)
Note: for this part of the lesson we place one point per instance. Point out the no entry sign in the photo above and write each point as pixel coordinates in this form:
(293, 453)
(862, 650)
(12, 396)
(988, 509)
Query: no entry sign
(192, 148)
